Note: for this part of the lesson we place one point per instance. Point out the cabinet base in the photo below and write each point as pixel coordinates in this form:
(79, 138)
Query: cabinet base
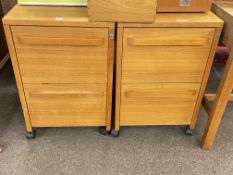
(188, 131)
(103, 131)
(31, 135)
(115, 133)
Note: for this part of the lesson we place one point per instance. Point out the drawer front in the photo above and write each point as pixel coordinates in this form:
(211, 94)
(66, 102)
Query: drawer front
(165, 54)
(61, 54)
(66, 105)
(158, 103)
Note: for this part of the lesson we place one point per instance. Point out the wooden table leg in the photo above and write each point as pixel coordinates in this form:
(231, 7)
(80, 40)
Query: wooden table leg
(211, 97)
(1, 148)
(4, 61)
(219, 106)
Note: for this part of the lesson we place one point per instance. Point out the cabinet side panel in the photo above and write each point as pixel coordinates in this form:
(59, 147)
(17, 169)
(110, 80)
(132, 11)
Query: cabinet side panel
(205, 77)
(110, 64)
(18, 77)
(118, 77)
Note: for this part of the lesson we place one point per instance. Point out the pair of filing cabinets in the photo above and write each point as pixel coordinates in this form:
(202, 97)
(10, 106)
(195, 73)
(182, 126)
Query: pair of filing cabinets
(64, 67)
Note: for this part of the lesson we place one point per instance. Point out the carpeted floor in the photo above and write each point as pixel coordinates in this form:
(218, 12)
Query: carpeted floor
(83, 151)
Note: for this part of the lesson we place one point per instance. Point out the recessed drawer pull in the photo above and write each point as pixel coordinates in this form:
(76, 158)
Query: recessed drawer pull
(161, 94)
(75, 94)
(61, 41)
(168, 42)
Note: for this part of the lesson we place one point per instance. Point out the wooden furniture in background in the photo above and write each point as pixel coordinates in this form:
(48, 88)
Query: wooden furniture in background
(4, 56)
(224, 9)
(184, 5)
(122, 10)
(63, 66)
(162, 69)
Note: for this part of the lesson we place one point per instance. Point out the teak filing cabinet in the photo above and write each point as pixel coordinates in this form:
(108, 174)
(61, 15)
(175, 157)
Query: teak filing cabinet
(162, 69)
(63, 66)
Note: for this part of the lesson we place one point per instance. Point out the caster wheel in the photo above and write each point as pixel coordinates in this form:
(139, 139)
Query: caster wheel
(114, 133)
(188, 131)
(31, 135)
(102, 131)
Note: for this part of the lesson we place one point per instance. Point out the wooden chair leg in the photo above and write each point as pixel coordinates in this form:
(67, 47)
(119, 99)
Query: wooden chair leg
(4, 61)
(211, 97)
(206, 105)
(219, 105)
(1, 148)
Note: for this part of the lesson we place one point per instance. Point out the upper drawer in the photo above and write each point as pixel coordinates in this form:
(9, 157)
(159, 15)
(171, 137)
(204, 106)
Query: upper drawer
(165, 54)
(61, 54)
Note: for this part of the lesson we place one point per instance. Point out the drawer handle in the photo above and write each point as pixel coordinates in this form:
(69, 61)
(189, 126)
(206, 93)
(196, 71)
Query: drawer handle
(61, 41)
(168, 42)
(161, 94)
(75, 94)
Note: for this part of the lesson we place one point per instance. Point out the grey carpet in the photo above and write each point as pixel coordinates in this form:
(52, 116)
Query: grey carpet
(83, 151)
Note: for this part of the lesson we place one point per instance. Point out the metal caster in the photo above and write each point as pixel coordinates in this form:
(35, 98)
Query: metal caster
(102, 131)
(188, 131)
(114, 133)
(31, 135)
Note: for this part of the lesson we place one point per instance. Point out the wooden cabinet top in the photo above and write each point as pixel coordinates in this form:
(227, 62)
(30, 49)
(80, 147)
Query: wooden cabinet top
(78, 16)
(207, 19)
(224, 9)
(51, 16)
(225, 5)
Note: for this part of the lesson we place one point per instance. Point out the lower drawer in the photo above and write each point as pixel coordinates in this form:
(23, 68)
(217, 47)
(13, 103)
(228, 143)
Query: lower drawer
(55, 105)
(158, 103)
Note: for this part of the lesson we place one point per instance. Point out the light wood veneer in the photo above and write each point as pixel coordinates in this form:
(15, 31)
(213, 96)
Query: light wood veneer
(63, 66)
(162, 68)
